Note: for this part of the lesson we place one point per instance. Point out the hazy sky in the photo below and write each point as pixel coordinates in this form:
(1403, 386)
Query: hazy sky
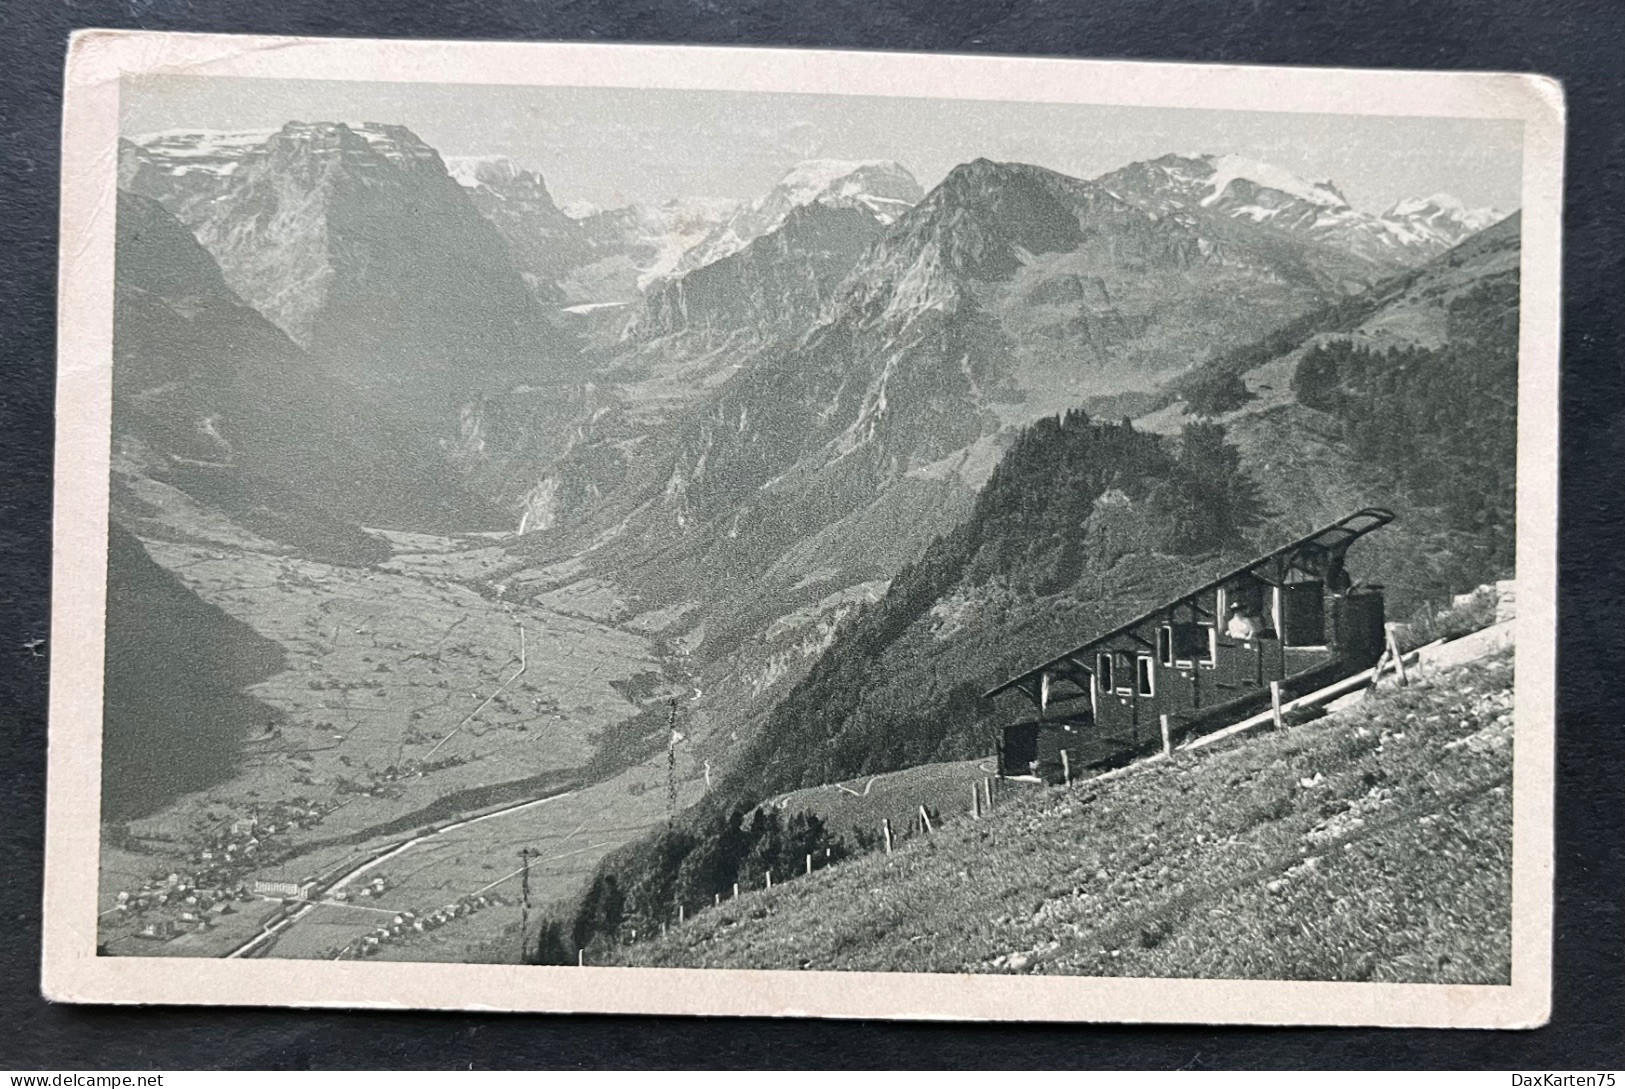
(614, 146)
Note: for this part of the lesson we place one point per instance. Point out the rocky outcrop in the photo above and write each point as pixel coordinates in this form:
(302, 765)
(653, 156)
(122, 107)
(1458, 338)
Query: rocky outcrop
(357, 243)
(777, 285)
(881, 188)
(212, 396)
(544, 242)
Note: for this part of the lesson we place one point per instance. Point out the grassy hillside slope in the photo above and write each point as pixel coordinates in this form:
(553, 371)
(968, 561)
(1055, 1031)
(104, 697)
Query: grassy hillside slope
(1404, 398)
(1370, 844)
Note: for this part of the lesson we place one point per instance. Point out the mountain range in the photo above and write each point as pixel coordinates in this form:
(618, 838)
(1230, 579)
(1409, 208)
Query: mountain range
(883, 189)
(1409, 233)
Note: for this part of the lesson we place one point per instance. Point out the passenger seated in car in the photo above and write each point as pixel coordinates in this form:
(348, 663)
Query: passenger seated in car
(1241, 626)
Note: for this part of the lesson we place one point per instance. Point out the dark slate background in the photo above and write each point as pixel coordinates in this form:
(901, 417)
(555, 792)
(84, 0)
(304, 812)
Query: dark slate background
(1579, 42)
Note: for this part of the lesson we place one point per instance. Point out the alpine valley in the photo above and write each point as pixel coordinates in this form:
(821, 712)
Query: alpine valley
(442, 507)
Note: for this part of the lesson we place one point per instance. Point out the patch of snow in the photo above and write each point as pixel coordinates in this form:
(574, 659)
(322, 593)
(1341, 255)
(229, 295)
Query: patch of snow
(1228, 168)
(180, 142)
(472, 171)
(1448, 208)
(807, 181)
(589, 308)
(1256, 213)
(201, 151)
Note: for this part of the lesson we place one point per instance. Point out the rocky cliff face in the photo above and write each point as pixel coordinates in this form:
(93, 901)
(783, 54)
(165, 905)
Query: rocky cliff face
(357, 243)
(1008, 292)
(210, 395)
(883, 189)
(1439, 221)
(319, 225)
(587, 258)
(775, 286)
(544, 242)
(638, 244)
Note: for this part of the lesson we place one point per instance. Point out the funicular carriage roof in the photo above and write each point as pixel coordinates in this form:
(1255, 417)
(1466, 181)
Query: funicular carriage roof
(1340, 534)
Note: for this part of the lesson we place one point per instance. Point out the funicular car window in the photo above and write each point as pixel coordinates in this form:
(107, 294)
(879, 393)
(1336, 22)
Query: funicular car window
(1190, 641)
(1303, 614)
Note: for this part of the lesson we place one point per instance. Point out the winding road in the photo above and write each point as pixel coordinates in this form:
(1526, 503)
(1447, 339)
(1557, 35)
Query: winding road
(394, 850)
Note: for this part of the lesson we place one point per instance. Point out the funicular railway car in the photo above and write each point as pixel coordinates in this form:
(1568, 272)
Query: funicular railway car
(1204, 659)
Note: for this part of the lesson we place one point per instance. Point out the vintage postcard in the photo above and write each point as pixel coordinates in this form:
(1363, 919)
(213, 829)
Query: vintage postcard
(735, 531)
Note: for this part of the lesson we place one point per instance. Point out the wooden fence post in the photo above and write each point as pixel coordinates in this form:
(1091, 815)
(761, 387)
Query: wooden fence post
(885, 828)
(1399, 659)
(717, 900)
(736, 890)
(581, 958)
(1376, 671)
(682, 913)
(809, 865)
(925, 820)
(1167, 738)
(1066, 767)
(1275, 705)
(975, 802)
(770, 879)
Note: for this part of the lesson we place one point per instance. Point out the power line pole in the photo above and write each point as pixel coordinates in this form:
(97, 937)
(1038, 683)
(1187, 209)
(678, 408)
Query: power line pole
(671, 765)
(525, 855)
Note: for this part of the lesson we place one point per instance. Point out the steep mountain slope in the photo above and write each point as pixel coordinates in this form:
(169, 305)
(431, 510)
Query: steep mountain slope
(1409, 392)
(590, 259)
(1009, 293)
(1372, 844)
(688, 336)
(777, 284)
(212, 397)
(544, 242)
(882, 188)
(821, 465)
(1410, 233)
(1084, 524)
(1429, 434)
(357, 243)
(175, 713)
(641, 243)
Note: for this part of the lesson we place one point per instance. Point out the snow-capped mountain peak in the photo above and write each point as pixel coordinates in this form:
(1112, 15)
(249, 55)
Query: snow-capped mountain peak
(471, 171)
(1246, 189)
(1444, 208)
(1229, 168)
(822, 179)
(880, 187)
(580, 209)
(179, 152)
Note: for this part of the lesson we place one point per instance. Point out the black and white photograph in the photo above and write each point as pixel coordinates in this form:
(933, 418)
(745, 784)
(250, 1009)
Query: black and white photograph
(1044, 538)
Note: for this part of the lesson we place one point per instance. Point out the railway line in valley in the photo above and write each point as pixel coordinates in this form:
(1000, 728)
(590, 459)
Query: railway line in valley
(352, 869)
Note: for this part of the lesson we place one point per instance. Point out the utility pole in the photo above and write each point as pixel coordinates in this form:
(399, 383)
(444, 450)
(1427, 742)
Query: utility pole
(525, 855)
(671, 765)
